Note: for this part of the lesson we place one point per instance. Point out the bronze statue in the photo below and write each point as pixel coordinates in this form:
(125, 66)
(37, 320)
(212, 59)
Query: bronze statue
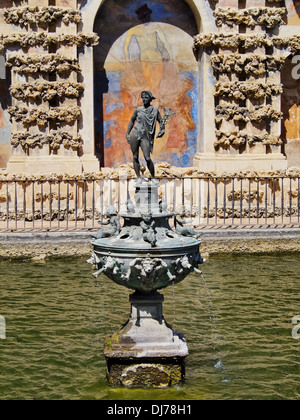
(113, 224)
(141, 131)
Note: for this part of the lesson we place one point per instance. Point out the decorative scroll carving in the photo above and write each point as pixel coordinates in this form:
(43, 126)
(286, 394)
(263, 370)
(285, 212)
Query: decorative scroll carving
(41, 116)
(42, 63)
(268, 17)
(43, 39)
(46, 90)
(24, 16)
(30, 141)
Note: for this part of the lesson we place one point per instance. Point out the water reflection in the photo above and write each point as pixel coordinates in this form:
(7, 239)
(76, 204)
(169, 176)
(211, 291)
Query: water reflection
(237, 322)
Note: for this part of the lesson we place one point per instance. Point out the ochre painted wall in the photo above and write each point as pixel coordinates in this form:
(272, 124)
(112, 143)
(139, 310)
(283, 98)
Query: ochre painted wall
(293, 9)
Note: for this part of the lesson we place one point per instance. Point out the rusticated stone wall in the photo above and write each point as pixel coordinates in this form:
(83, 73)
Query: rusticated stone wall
(246, 58)
(40, 43)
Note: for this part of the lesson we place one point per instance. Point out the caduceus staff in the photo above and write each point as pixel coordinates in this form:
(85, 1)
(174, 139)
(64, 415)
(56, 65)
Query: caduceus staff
(168, 114)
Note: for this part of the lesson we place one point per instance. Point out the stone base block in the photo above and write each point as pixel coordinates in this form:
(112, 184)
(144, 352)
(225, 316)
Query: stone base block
(132, 374)
(146, 351)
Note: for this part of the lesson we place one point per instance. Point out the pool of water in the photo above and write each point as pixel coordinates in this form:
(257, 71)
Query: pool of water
(237, 322)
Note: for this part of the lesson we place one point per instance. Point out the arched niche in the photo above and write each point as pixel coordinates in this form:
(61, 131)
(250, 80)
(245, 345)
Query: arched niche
(150, 48)
(134, 55)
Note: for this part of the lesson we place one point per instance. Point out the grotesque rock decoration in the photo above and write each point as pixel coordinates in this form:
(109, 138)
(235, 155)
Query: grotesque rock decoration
(43, 39)
(42, 63)
(41, 116)
(30, 141)
(46, 90)
(262, 16)
(24, 16)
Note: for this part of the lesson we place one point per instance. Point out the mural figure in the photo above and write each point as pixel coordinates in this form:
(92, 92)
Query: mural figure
(141, 132)
(149, 45)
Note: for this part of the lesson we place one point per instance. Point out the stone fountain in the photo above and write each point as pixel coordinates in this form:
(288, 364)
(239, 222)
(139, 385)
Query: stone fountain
(145, 255)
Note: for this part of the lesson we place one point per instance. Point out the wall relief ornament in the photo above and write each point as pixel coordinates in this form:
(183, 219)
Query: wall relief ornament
(42, 63)
(41, 16)
(40, 116)
(30, 141)
(46, 90)
(239, 138)
(236, 113)
(267, 17)
(249, 64)
(43, 39)
(244, 90)
(245, 41)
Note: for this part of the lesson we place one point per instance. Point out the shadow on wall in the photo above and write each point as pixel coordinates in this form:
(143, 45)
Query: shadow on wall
(5, 124)
(6, 3)
(297, 6)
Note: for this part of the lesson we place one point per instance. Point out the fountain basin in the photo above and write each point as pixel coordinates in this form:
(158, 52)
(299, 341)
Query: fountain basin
(132, 261)
(145, 255)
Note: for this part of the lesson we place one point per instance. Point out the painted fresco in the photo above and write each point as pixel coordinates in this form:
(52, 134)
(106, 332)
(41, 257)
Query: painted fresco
(293, 10)
(145, 47)
(290, 103)
(5, 3)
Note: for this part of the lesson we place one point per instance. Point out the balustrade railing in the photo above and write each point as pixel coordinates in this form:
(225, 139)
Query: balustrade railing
(205, 202)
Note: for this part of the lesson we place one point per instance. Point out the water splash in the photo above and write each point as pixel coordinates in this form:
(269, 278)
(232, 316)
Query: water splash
(174, 305)
(219, 365)
(214, 331)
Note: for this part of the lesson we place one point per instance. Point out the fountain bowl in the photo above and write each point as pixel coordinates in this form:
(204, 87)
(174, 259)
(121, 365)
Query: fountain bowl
(132, 260)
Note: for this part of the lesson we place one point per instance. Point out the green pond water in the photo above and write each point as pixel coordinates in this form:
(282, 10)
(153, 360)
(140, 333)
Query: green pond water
(237, 322)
